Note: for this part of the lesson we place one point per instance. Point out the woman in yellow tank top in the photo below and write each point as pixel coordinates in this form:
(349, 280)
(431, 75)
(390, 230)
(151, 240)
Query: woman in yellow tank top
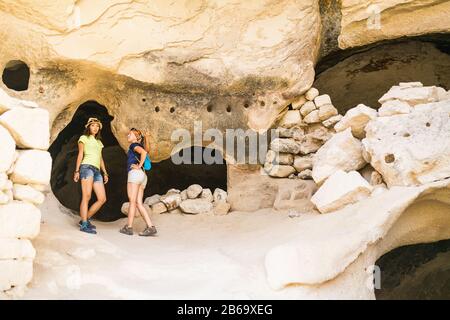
(89, 164)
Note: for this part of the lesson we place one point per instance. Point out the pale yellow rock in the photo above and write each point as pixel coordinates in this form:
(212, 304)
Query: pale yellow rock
(196, 206)
(279, 158)
(322, 100)
(220, 195)
(172, 201)
(303, 162)
(278, 171)
(32, 167)
(393, 107)
(290, 119)
(411, 95)
(297, 104)
(312, 117)
(340, 189)
(356, 118)
(15, 273)
(158, 208)
(327, 111)
(19, 220)
(27, 193)
(307, 108)
(207, 194)
(11, 248)
(29, 127)
(7, 150)
(221, 208)
(411, 149)
(311, 94)
(341, 152)
(332, 121)
(357, 236)
(365, 22)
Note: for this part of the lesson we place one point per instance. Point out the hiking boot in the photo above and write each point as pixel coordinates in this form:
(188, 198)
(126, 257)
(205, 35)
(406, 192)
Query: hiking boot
(85, 228)
(90, 225)
(126, 230)
(149, 231)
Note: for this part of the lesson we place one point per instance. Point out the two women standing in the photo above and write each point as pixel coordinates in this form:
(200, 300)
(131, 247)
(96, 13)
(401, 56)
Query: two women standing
(88, 169)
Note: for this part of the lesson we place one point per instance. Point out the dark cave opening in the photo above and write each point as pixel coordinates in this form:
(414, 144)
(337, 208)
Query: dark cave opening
(163, 176)
(364, 74)
(420, 271)
(64, 152)
(16, 75)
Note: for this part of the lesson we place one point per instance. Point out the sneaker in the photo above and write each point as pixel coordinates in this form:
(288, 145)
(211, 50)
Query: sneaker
(149, 231)
(90, 225)
(85, 228)
(126, 230)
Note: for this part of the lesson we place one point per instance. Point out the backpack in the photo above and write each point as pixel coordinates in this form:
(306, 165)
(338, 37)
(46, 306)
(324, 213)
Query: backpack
(147, 163)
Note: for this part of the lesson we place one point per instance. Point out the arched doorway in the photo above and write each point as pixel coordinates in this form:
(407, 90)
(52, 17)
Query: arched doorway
(64, 152)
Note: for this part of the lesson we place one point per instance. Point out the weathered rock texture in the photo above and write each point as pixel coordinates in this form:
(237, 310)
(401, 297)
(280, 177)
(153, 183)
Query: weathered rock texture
(170, 63)
(23, 174)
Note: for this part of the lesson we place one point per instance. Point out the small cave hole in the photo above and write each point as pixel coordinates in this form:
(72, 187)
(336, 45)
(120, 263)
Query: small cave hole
(16, 75)
(209, 108)
(389, 158)
(156, 109)
(228, 108)
(172, 110)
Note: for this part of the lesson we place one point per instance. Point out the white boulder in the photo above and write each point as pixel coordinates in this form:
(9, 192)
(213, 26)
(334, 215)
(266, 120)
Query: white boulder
(207, 194)
(193, 191)
(356, 119)
(322, 100)
(290, 119)
(341, 152)
(393, 107)
(7, 150)
(339, 190)
(196, 206)
(32, 167)
(220, 195)
(19, 220)
(285, 145)
(29, 127)
(411, 149)
(27, 193)
(413, 95)
(311, 94)
(307, 108)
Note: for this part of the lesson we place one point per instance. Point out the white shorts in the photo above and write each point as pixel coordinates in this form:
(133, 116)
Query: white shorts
(137, 176)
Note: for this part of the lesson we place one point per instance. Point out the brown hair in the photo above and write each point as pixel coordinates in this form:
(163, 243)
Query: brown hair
(87, 132)
(141, 138)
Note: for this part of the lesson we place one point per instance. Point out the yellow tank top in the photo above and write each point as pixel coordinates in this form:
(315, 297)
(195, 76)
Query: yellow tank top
(92, 150)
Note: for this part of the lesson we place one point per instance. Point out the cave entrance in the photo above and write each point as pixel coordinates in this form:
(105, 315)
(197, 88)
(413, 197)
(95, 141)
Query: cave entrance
(163, 176)
(16, 75)
(64, 152)
(364, 74)
(420, 271)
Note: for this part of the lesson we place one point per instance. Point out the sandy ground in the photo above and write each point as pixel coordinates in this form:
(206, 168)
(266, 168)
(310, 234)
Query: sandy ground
(193, 257)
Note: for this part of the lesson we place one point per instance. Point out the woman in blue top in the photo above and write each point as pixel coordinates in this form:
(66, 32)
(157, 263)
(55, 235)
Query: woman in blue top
(137, 180)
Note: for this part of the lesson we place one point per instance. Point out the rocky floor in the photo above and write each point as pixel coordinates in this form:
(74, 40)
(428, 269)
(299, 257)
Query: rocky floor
(193, 257)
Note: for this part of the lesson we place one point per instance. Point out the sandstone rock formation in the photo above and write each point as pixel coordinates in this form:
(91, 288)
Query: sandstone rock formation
(23, 174)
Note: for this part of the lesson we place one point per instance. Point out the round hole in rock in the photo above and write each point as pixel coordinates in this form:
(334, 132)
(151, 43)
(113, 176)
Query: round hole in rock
(389, 158)
(428, 124)
(228, 109)
(246, 105)
(156, 109)
(64, 152)
(16, 75)
(420, 271)
(209, 108)
(166, 174)
(172, 110)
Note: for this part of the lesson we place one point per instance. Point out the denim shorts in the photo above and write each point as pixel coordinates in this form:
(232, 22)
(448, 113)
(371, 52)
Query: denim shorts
(87, 171)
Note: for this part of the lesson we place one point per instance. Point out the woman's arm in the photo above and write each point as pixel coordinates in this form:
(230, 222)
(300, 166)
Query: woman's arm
(143, 154)
(76, 175)
(103, 168)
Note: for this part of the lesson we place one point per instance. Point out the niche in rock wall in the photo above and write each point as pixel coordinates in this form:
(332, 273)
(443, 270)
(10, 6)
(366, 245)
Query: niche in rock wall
(420, 271)
(64, 152)
(363, 75)
(16, 75)
(166, 174)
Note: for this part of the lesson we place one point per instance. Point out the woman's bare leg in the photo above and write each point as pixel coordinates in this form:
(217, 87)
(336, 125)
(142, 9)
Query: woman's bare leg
(86, 192)
(141, 207)
(132, 189)
(99, 189)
